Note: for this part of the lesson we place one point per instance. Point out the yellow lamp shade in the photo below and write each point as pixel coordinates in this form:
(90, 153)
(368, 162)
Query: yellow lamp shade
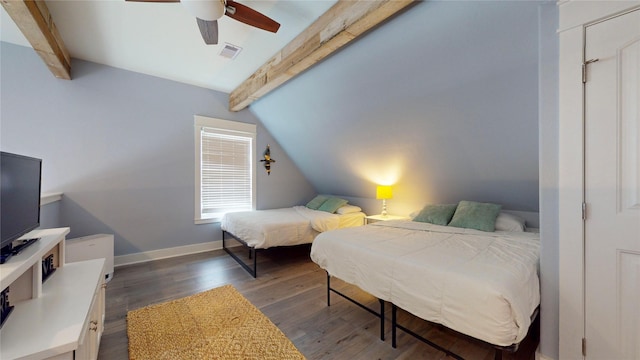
(384, 192)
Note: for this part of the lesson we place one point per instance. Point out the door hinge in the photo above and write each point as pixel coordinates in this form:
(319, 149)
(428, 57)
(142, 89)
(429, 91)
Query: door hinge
(584, 211)
(584, 69)
(584, 347)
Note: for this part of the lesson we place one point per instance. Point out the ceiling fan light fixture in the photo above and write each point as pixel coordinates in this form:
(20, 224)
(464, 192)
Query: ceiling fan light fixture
(208, 10)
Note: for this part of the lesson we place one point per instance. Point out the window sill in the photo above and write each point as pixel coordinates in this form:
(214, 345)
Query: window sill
(206, 221)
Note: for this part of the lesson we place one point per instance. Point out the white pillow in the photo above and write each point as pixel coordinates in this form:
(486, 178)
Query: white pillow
(348, 209)
(510, 222)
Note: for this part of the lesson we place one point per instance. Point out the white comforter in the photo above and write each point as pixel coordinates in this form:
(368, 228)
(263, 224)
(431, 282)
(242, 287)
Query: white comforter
(279, 227)
(481, 284)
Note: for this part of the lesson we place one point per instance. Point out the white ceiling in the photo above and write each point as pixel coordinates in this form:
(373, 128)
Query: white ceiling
(162, 39)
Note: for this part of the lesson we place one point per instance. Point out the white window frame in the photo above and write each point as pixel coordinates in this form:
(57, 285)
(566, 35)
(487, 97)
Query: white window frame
(224, 126)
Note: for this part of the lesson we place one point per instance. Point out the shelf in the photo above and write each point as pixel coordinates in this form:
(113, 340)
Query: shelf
(19, 264)
(53, 323)
(48, 198)
(62, 317)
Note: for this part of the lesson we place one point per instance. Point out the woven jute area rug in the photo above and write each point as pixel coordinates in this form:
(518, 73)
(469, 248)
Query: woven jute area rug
(215, 324)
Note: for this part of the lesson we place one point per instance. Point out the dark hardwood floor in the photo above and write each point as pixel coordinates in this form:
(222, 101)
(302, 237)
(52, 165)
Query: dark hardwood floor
(291, 291)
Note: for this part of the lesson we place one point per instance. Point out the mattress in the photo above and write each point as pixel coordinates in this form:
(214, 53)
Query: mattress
(296, 225)
(482, 284)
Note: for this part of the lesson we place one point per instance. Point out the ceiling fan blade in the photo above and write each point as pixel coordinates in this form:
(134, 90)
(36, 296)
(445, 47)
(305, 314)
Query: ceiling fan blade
(158, 1)
(251, 17)
(209, 31)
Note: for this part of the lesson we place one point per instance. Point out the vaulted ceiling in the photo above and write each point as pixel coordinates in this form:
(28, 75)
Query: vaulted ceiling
(162, 39)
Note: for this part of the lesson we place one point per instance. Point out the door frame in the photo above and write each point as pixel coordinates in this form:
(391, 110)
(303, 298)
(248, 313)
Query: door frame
(575, 16)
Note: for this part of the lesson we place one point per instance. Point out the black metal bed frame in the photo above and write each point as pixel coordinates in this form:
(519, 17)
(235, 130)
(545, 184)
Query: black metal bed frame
(534, 329)
(253, 254)
(380, 314)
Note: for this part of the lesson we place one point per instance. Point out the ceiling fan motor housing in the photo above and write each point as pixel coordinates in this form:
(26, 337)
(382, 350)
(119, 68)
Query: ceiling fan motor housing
(208, 10)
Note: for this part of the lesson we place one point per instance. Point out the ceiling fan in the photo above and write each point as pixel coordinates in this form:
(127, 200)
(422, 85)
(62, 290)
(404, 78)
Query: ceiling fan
(207, 13)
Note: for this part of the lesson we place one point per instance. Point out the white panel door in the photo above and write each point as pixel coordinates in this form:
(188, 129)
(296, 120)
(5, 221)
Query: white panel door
(612, 189)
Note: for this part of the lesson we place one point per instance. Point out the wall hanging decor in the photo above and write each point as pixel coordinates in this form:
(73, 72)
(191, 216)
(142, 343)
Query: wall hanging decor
(267, 160)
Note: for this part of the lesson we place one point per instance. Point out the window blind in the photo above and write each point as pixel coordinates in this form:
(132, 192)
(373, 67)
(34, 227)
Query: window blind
(226, 171)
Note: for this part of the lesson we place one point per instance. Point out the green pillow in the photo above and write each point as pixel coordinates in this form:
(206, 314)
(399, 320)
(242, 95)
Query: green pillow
(332, 204)
(315, 203)
(439, 214)
(475, 215)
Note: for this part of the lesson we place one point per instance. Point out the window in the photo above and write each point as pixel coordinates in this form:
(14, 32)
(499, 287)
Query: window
(225, 176)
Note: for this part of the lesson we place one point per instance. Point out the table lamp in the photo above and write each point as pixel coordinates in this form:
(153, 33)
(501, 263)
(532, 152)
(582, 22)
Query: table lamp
(384, 192)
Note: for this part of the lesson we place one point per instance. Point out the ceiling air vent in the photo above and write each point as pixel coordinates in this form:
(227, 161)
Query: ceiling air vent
(230, 51)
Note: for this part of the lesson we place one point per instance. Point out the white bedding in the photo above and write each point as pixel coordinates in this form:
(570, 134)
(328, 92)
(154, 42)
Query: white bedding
(296, 225)
(481, 284)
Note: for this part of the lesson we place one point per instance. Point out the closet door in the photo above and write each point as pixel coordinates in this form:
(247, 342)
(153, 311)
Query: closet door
(612, 188)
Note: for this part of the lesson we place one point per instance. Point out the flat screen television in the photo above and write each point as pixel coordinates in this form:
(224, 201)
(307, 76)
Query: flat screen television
(19, 199)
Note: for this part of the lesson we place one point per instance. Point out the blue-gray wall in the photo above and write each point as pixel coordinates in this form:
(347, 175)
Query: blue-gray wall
(120, 146)
(450, 100)
(441, 101)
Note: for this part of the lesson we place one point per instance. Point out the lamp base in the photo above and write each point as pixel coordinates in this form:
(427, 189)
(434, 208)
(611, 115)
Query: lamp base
(384, 208)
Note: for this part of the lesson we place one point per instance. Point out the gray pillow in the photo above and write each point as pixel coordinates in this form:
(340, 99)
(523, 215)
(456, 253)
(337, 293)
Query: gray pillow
(316, 202)
(475, 215)
(439, 214)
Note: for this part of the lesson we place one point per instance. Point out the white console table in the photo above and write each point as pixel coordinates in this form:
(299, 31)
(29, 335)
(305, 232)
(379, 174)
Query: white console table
(62, 318)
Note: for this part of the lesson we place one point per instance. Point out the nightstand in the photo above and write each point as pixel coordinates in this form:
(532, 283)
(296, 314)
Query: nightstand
(375, 218)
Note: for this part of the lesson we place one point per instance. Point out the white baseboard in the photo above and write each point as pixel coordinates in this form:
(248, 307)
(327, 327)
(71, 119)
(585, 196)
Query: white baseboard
(145, 256)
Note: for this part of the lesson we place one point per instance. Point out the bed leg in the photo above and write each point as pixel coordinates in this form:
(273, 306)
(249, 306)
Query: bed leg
(328, 289)
(381, 319)
(253, 253)
(394, 323)
(255, 261)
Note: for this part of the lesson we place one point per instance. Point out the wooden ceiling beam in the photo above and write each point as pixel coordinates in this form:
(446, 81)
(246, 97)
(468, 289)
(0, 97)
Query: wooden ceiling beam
(34, 20)
(341, 24)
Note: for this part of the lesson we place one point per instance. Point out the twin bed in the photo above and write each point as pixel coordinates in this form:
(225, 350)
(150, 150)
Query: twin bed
(481, 284)
(263, 229)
